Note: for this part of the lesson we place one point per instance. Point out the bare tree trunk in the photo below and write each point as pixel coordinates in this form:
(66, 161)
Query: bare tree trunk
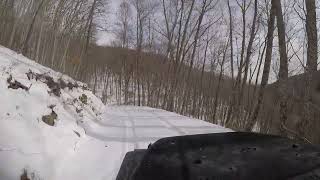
(266, 70)
(202, 72)
(64, 58)
(88, 26)
(93, 7)
(311, 68)
(249, 48)
(39, 43)
(196, 39)
(231, 39)
(180, 54)
(243, 45)
(24, 47)
(13, 33)
(283, 72)
(234, 105)
(311, 26)
(54, 51)
(216, 99)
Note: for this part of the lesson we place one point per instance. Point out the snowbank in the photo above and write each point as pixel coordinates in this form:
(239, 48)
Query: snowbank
(26, 142)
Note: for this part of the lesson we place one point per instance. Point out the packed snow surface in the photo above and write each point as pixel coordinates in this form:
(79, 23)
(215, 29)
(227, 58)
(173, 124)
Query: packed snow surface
(88, 139)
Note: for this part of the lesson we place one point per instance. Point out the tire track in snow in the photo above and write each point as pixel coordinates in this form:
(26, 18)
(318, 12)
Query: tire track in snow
(132, 129)
(135, 125)
(168, 124)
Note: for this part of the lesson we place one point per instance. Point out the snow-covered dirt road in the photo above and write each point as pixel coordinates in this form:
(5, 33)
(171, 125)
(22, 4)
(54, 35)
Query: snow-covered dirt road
(140, 126)
(125, 128)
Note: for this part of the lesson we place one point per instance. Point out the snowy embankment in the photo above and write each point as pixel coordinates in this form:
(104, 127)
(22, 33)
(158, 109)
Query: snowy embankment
(54, 128)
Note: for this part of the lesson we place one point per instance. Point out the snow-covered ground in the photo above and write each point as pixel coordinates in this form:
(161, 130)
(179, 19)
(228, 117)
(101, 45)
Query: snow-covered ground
(87, 141)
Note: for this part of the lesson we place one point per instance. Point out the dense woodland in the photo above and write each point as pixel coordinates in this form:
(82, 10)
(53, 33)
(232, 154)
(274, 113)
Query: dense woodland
(250, 65)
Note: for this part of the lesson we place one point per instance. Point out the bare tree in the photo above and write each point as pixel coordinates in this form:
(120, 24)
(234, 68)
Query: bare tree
(231, 40)
(283, 71)
(249, 48)
(24, 47)
(266, 70)
(143, 8)
(124, 35)
(311, 66)
(123, 25)
(206, 6)
(235, 103)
